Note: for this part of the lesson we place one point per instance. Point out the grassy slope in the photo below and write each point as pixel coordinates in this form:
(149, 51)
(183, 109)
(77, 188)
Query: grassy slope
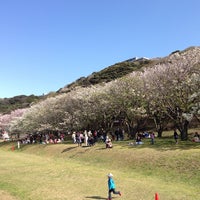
(66, 171)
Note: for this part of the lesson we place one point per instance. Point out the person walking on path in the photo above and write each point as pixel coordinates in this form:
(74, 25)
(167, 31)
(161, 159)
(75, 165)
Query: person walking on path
(111, 187)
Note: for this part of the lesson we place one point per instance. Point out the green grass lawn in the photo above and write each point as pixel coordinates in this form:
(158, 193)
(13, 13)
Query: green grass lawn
(66, 172)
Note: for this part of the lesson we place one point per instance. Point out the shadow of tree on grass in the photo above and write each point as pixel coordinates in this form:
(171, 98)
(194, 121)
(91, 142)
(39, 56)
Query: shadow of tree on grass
(68, 149)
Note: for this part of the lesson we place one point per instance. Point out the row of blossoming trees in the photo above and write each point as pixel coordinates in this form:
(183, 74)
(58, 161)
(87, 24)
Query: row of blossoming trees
(164, 92)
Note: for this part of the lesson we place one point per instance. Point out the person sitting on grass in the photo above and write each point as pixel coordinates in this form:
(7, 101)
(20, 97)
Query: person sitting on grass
(138, 139)
(109, 143)
(196, 137)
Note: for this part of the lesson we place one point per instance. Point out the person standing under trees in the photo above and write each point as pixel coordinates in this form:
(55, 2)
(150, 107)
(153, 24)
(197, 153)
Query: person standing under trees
(117, 134)
(152, 137)
(111, 187)
(74, 137)
(175, 136)
(78, 139)
(86, 138)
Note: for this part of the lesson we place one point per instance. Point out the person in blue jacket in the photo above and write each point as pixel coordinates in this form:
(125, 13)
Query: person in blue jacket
(111, 187)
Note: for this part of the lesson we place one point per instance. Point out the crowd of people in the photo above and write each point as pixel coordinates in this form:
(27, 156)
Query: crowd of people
(139, 137)
(43, 138)
(89, 138)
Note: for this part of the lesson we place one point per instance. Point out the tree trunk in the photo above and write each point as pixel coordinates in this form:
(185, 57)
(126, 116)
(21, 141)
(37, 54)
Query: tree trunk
(160, 130)
(183, 128)
(159, 126)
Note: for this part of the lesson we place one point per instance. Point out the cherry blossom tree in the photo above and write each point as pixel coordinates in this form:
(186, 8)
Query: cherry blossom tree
(125, 100)
(8, 120)
(170, 86)
(166, 91)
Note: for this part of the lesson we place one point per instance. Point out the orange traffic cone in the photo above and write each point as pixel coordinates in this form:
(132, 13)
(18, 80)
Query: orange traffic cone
(156, 196)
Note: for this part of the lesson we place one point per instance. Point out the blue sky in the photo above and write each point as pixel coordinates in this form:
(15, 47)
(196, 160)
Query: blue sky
(47, 44)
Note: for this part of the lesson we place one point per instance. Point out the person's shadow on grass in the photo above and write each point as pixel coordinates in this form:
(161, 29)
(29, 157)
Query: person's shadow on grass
(96, 197)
